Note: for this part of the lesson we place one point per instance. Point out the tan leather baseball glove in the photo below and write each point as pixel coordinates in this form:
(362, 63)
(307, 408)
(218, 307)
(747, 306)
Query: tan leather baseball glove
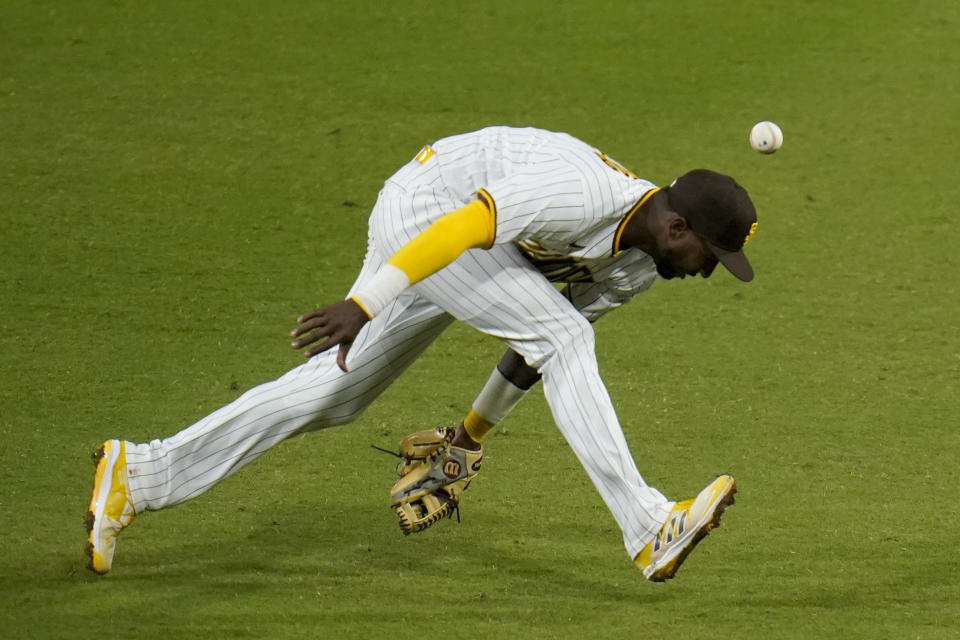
(432, 476)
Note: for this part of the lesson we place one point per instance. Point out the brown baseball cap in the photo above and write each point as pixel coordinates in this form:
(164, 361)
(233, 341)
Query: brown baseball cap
(719, 211)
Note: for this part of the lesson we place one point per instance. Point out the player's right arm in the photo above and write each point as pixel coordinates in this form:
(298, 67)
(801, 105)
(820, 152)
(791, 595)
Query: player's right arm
(471, 226)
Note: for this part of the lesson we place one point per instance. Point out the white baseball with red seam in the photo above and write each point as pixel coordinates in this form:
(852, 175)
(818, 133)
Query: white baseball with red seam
(766, 137)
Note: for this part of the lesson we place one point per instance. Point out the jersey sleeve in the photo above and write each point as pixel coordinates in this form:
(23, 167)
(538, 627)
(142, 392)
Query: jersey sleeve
(548, 202)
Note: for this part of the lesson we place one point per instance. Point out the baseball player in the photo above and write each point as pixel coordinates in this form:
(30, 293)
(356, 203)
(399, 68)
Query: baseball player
(476, 227)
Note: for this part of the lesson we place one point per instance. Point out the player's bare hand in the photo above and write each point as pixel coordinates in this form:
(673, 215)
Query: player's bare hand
(323, 329)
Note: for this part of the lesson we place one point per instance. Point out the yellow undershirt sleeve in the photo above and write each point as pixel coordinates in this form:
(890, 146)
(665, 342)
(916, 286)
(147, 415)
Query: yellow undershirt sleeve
(469, 227)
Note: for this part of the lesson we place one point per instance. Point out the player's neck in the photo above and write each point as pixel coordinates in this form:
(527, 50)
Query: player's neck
(640, 230)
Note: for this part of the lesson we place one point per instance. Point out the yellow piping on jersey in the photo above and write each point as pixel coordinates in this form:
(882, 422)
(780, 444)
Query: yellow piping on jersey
(487, 199)
(626, 219)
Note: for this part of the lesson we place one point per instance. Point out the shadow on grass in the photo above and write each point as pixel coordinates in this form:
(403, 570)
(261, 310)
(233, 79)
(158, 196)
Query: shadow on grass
(291, 556)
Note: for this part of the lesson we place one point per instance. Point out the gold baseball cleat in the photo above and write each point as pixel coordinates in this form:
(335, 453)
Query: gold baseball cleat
(111, 508)
(688, 523)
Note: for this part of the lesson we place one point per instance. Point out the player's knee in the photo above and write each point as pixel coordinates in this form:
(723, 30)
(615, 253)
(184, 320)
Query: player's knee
(575, 340)
(324, 415)
(577, 336)
(350, 412)
(327, 419)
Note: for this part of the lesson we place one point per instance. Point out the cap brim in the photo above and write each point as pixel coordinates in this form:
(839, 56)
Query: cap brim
(734, 261)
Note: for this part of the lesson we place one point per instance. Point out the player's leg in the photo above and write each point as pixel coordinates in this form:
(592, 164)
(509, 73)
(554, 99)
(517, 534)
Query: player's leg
(131, 478)
(514, 302)
(315, 395)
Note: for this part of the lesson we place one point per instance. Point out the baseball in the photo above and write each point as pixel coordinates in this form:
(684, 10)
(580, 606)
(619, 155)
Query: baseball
(766, 137)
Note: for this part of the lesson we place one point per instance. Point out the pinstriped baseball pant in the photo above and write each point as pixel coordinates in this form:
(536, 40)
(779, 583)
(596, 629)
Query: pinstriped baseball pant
(496, 292)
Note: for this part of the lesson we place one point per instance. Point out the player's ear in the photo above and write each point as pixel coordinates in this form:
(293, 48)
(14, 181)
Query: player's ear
(678, 226)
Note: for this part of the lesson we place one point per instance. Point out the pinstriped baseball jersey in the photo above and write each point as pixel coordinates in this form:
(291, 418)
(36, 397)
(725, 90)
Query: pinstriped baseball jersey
(545, 187)
(559, 199)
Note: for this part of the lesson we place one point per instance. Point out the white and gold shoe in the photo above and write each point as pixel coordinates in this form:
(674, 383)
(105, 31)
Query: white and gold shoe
(689, 521)
(111, 508)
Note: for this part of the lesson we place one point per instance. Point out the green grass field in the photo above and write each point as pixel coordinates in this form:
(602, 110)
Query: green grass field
(178, 180)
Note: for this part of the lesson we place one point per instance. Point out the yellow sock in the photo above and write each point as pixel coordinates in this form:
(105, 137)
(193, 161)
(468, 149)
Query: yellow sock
(476, 426)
